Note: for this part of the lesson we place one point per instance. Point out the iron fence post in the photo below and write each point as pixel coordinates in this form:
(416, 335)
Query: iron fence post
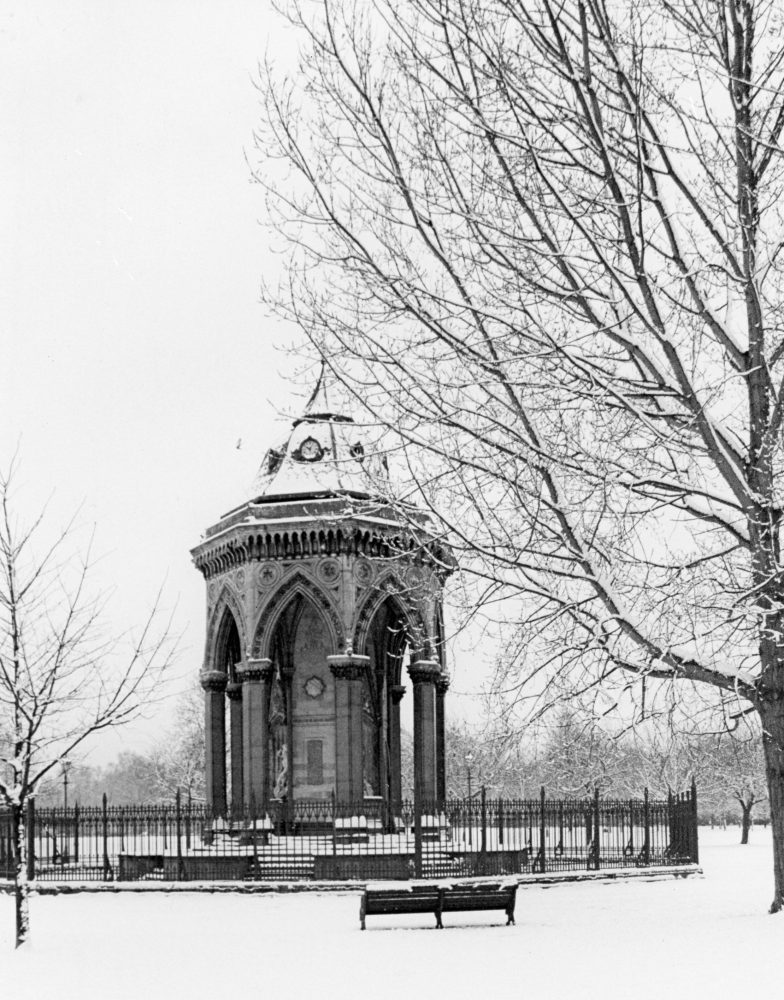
(560, 848)
(417, 834)
(542, 807)
(178, 820)
(483, 845)
(105, 834)
(588, 824)
(30, 819)
(333, 805)
(694, 846)
(500, 804)
(596, 829)
(254, 834)
(76, 833)
(646, 814)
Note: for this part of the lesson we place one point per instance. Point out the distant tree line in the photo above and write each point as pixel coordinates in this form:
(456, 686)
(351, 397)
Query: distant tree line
(572, 754)
(175, 761)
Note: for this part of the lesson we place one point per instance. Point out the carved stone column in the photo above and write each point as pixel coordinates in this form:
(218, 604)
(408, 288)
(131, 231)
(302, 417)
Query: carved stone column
(255, 676)
(442, 686)
(214, 684)
(424, 674)
(396, 693)
(349, 671)
(287, 677)
(234, 694)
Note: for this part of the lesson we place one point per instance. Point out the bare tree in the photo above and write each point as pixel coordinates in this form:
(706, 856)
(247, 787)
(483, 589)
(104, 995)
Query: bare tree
(733, 769)
(61, 679)
(578, 756)
(540, 244)
(177, 760)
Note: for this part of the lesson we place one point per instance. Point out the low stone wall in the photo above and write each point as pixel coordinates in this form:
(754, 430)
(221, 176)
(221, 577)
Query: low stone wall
(135, 866)
(494, 862)
(215, 866)
(365, 866)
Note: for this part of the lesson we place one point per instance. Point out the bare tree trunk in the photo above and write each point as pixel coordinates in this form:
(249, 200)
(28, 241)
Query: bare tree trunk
(771, 710)
(745, 821)
(21, 884)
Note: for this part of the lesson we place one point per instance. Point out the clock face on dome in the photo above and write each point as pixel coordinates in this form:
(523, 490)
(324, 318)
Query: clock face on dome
(311, 450)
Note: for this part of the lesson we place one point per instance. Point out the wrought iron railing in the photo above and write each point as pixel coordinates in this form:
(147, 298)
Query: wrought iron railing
(371, 839)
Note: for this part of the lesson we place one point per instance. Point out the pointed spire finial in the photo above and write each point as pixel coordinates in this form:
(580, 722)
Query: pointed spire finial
(318, 406)
(319, 388)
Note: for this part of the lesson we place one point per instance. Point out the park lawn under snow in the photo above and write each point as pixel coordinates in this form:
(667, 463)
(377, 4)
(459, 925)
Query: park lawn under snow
(633, 939)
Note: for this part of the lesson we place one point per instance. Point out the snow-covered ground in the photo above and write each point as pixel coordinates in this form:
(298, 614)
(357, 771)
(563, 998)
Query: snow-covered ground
(699, 937)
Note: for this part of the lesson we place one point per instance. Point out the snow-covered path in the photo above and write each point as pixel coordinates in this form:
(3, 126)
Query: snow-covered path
(700, 937)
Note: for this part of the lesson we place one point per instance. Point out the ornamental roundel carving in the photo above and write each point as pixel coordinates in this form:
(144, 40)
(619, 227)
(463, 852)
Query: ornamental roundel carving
(268, 574)
(239, 578)
(314, 687)
(328, 572)
(363, 572)
(212, 592)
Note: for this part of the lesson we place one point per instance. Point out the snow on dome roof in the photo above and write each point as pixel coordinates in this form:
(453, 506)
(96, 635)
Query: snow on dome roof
(324, 453)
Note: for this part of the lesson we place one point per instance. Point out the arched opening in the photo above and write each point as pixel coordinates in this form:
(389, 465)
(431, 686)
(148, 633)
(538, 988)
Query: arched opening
(228, 651)
(301, 710)
(227, 654)
(388, 703)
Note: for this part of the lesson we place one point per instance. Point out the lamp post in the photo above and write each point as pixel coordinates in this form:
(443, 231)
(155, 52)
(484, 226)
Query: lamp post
(469, 760)
(65, 767)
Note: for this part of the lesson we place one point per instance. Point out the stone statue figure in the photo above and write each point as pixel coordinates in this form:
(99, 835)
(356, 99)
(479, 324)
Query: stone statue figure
(281, 773)
(278, 753)
(277, 708)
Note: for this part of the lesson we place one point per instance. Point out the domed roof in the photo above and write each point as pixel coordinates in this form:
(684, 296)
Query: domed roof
(326, 453)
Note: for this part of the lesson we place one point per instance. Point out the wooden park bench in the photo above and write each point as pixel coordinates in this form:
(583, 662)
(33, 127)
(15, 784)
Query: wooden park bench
(439, 899)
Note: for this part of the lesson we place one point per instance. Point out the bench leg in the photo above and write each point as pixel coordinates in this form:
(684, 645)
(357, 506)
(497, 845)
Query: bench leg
(362, 913)
(439, 925)
(510, 915)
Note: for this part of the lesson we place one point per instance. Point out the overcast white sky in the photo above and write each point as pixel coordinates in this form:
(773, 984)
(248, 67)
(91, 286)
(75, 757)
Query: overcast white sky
(134, 351)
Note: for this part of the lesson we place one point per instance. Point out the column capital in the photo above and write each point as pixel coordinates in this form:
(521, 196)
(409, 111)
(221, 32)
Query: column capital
(396, 692)
(424, 672)
(213, 680)
(250, 671)
(234, 690)
(348, 666)
(442, 685)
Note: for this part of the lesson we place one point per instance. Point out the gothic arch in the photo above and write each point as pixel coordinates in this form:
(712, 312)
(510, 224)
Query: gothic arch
(391, 587)
(297, 584)
(227, 603)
